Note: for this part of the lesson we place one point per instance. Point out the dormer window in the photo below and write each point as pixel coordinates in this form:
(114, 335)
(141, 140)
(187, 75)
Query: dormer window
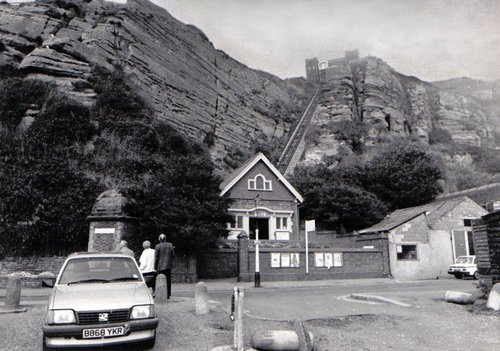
(259, 182)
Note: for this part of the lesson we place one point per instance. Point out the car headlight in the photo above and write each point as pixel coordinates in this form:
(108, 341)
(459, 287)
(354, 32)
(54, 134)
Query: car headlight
(61, 317)
(142, 311)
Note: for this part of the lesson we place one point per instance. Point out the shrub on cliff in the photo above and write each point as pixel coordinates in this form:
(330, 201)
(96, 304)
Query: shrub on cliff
(358, 193)
(18, 95)
(403, 174)
(52, 174)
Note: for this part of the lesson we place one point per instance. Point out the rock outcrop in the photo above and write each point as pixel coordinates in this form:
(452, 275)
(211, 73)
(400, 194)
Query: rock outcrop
(198, 89)
(366, 101)
(207, 95)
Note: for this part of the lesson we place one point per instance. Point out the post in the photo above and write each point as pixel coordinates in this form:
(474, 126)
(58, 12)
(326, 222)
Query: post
(307, 253)
(310, 227)
(238, 323)
(257, 260)
(256, 279)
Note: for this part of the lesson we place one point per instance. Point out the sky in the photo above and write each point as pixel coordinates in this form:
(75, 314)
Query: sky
(430, 39)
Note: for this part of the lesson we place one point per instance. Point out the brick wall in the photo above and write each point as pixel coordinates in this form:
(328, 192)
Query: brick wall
(217, 264)
(357, 263)
(416, 230)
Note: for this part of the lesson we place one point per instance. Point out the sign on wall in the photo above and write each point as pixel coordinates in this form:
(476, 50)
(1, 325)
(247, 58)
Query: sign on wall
(104, 230)
(328, 259)
(285, 260)
(338, 260)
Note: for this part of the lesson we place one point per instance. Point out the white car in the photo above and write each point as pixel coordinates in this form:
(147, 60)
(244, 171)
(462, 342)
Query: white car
(99, 299)
(464, 266)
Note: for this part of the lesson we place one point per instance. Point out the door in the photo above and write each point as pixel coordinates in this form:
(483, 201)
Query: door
(262, 224)
(459, 243)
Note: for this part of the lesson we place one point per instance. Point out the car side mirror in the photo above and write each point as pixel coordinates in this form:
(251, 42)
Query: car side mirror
(48, 283)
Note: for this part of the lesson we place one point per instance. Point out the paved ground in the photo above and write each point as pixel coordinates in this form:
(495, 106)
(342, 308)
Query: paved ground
(33, 296)
(337, 322)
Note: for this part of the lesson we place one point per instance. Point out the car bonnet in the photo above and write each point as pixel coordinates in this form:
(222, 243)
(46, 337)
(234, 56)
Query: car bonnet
(100, 296)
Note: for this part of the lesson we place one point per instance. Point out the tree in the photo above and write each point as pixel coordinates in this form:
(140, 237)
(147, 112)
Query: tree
(334, 203)
(403, 174)
(182, 201)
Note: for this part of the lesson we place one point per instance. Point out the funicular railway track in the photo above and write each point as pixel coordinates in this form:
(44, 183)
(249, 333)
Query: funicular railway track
(297, 135)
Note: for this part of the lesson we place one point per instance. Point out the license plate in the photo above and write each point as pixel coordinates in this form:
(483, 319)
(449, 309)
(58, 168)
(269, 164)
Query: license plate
(103, 332)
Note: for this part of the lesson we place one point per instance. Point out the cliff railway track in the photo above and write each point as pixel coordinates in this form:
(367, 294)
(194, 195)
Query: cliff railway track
(292, 153)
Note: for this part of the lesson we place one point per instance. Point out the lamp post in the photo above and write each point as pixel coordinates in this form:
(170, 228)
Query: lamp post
(257, 261)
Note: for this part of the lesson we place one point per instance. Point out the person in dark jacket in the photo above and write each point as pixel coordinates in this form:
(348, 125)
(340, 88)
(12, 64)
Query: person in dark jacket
(164, 257)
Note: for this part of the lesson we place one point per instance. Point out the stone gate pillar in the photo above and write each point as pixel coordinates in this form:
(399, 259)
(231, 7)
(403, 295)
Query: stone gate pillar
(243, 258)
(108, 222)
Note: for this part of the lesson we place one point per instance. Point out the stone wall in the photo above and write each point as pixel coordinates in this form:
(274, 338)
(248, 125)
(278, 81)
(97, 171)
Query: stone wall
(184, 269)
(32, 265)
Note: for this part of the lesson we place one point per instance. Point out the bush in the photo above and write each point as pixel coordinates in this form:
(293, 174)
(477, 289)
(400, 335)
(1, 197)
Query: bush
(18, 95)
(439, 136)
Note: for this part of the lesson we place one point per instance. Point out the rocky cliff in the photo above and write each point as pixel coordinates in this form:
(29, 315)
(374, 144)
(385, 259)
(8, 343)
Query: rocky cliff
(365, 101)
(209, 96)
(199, 90)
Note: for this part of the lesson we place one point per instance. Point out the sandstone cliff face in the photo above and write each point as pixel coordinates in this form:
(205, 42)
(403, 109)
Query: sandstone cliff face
(201, 91)
(207, 95)
(377, 103)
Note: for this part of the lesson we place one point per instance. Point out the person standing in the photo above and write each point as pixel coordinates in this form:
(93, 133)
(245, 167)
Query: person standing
(164, 256)
(123, 247)
(147, 265)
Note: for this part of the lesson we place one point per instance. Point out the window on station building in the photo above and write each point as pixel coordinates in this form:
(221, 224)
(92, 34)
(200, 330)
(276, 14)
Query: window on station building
(407, 252)
(236, 223)
(259, 182)
(282, 222)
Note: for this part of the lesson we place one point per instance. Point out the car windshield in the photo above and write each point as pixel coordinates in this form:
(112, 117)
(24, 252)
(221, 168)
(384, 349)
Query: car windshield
(464, 259)
(99, 269)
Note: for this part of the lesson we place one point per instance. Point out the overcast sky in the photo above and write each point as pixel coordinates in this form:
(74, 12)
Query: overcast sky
(431, 39)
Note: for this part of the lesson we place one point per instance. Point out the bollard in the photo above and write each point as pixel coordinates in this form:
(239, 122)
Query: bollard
(13, 293)
(202, 306)
(494, 298)
(161, 288)
(238, 323)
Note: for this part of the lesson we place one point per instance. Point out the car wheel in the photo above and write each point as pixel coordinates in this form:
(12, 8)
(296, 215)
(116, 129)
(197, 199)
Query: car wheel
(458, 276)
(476, 275)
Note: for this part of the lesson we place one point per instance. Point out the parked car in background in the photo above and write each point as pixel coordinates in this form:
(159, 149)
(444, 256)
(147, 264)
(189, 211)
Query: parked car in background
(464, 266)
(99, 299)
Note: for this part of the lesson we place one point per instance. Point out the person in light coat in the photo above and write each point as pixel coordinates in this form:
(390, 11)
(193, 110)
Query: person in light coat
(147, 265)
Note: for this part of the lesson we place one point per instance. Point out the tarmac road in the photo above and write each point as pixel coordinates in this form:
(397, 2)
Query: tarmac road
(305, 299)
(309, 302)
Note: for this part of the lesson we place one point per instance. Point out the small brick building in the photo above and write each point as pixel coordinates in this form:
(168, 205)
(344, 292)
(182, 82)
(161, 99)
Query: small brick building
(424, 240)
(263, 200)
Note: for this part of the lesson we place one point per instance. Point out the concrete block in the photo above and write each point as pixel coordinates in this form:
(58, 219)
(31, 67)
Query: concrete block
(161, 289)
(13, 293)
(278, 340)
(459, 297)
(494, 298)
(202, 305)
